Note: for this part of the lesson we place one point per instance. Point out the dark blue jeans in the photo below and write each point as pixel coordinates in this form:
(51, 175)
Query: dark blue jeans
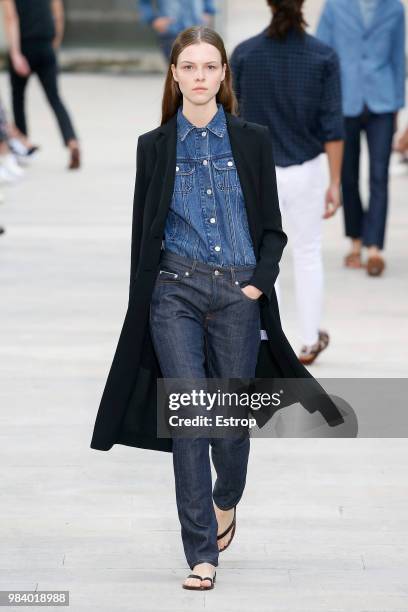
(165, 43)
(369, 225)
(202, 325)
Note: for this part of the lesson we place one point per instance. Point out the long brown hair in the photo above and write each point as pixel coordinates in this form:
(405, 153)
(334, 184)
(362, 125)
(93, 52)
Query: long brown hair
(172, 96)
(287, 15)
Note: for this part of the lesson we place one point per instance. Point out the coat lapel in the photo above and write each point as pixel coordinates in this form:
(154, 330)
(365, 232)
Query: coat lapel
(243, 156)
(166, 148)
(379, 11)
(379, 14)
(356, 9)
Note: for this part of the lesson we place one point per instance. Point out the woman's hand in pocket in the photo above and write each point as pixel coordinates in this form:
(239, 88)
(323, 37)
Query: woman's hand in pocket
(252, 292)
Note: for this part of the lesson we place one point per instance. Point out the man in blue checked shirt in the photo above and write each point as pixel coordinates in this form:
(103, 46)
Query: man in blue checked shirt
(288, 80)
(170, 17)
(369, 37)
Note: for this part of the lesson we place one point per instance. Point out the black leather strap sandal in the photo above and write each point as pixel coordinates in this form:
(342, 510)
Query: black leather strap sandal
(200, 588)
(224, 533)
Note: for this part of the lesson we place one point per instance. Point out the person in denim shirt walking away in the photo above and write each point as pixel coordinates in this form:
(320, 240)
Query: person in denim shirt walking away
(369, 37)
(170, 17)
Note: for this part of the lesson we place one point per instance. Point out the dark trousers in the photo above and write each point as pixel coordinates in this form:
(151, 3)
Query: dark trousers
(369, 224)
(42, 59)
(203, 325)
(165, 43)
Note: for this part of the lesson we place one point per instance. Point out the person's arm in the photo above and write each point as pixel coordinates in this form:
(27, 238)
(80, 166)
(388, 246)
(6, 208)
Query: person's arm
(332, 130)
(401, 146)
(155, 16)
(12, 32)
(398, 60)
(274, 238)
(325, 27)
(334, 150)
(57, 9)
(137, 215)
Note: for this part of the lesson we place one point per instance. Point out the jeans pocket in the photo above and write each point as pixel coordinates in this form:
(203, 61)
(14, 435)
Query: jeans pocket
(240, 284)
(168, 274)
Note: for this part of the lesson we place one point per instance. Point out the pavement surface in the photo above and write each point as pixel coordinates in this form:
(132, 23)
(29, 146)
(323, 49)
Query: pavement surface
(322, 524)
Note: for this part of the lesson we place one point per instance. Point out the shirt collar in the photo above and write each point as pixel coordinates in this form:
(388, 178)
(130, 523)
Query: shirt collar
(217, 125)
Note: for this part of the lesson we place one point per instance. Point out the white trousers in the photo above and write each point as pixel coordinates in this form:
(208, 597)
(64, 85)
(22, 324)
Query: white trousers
(301, 190)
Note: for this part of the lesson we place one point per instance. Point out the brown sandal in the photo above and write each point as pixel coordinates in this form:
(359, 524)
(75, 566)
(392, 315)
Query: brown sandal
(75, 159)
(353, 260)
(308, 356)
(375, 265)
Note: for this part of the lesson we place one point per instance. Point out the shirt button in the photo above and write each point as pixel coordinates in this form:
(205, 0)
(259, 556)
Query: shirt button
(177, 168)
(217, 248)
(212, 220)
(205, 162)
(209, 191)
(203, 134)
(229, 163)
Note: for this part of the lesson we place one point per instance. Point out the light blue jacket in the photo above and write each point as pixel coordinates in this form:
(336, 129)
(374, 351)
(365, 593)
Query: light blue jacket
(186, 13)
(372, 59)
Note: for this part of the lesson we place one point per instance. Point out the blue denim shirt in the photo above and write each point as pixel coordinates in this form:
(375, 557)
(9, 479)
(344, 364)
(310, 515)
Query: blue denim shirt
(207, 217)
(186, 13)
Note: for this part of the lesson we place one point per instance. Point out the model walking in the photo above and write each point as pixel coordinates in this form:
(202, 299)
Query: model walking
(290, 81)
(203, 322)
(206, 244)
(34, 31)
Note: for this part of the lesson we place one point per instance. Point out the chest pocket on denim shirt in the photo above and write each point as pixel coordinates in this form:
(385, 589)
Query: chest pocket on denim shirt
(225, 174)
(184, 177)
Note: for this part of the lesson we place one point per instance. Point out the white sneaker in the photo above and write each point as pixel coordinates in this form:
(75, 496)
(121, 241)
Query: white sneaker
(10, 163)
(6, 176)
(23, 154)
(17, 146)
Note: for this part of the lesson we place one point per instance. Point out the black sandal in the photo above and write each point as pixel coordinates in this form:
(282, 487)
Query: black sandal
(200, 588)
(224, 533)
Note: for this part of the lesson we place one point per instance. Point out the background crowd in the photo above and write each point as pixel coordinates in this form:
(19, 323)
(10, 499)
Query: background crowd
(317, 93)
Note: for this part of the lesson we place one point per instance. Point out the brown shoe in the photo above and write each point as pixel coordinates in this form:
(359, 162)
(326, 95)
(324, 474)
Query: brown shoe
(375, 265)
(75, 159)
(308, 355)
(353, 260)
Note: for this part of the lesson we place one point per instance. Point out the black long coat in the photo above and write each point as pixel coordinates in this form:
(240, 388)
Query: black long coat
(127, 411)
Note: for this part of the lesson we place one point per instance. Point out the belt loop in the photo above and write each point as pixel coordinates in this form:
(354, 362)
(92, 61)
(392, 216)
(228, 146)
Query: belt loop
(232, 273)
